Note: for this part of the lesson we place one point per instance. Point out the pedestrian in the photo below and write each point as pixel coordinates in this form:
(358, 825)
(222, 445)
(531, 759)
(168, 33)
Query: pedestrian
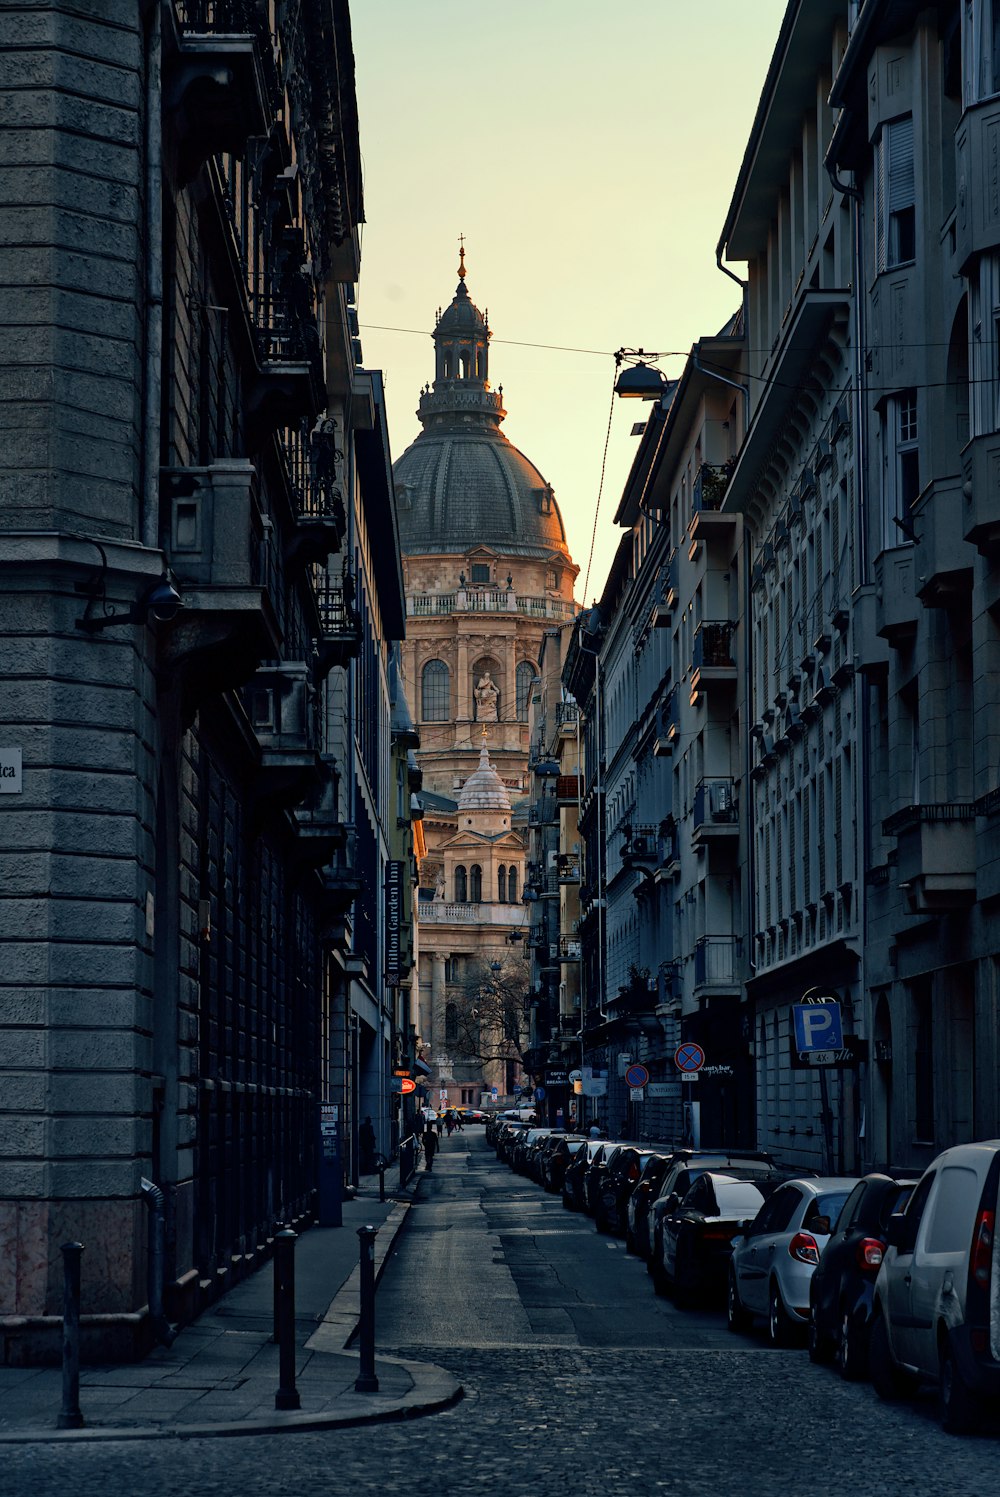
(623, 1130)
(449, 1122)
(430, 1144)
(596, 1131)
(366, 1146)
(440, 1125)
(458, 1122)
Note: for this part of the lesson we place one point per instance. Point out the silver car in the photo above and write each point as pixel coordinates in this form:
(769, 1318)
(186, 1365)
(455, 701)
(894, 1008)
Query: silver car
(774, 1257)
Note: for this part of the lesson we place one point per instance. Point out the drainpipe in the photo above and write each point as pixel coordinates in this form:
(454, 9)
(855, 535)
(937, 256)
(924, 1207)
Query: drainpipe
(155, 1202)
(153, 311)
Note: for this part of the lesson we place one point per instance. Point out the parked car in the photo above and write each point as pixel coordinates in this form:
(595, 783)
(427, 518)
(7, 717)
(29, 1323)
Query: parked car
(685, 1166)
(640, 1201)
(557, 1160)
(620, 1179)
(936, 1296)
(842, 1288)
(697, 1236)
(576, 1172)
(593, 1180)
(776, 1253)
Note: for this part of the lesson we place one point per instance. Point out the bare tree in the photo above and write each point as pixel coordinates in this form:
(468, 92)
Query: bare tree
(490, 1022)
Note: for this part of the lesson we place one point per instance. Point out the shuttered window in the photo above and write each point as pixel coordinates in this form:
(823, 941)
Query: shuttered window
(895, 195)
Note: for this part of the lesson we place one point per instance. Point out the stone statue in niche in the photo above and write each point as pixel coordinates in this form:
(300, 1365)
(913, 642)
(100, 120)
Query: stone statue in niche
(487, 697)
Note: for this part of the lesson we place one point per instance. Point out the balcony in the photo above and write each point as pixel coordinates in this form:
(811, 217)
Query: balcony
(538, 937)
(220, 79)
(980, 522)
(669, 984)
(289, 385)
(427, 605)
(669, 864)
(544, 811)
(321, 832)
(665, 594)
(569, 948)
(936, 849)
(667, 728)
(716, 812)
(640, 847)
(977, 154)
(898, 607)
(283, 706)
(713, 665)
(339, 641)
(341, 877)
(218, 542)
(944, 558)
(872, 648)
(313, 466)
(708, 523)
(567, 717)
(568, 867)
(716, 966)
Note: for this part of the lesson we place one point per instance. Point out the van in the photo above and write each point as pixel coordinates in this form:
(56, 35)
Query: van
(937, 1295)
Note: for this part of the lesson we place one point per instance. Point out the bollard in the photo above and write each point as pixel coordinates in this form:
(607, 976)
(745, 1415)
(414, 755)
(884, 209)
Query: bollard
(287, 1396)
(70, 1416)
(381, 1181)
(279, 1227)
(366, 1381)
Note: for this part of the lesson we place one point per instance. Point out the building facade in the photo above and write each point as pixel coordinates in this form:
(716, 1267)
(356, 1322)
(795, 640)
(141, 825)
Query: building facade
(195, 612)
(487, 571)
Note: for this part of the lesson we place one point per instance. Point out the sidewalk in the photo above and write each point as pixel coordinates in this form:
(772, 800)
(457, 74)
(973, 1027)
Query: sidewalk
(221, 1374)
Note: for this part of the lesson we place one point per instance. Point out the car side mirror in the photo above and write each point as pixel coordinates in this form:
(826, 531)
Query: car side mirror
(745, 1225)
(672, 1200)
(896, 1233)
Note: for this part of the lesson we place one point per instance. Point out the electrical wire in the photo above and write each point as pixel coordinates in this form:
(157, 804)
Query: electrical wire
(600, 489)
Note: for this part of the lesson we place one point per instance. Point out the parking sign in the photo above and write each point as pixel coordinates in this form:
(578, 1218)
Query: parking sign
(817, 1027)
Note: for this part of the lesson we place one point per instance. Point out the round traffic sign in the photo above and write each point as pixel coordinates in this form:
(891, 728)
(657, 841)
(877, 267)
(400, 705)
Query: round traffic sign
(636, 1076)
(539, 1093)
(407, 1085)
(689, 1056)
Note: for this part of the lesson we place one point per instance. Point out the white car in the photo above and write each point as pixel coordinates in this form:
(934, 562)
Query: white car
(774, 1257)
(936, 1316)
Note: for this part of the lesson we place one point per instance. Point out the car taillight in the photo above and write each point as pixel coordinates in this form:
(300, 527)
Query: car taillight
(869, 1253)
(803, 1247)
(982, 1249)
(633, 1172)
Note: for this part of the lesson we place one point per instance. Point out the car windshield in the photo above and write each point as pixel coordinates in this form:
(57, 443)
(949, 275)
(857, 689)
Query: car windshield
(737, 1198)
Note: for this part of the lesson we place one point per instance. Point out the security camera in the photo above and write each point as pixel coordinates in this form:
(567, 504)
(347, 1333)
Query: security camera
(163, 601)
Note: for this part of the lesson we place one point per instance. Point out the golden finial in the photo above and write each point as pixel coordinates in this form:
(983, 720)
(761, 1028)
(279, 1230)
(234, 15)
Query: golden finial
(461, 257)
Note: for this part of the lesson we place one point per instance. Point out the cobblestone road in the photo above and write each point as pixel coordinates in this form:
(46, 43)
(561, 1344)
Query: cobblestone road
(698, 1412)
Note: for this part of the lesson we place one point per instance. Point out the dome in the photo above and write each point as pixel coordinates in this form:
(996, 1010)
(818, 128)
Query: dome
(462, 484)
(484, 790)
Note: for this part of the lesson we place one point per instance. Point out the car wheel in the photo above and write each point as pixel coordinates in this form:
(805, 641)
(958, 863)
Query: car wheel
(960, 1409)
(820, 1346)
(780, 1328)
(889, 1381)
(737, 1318)
(852, 1354)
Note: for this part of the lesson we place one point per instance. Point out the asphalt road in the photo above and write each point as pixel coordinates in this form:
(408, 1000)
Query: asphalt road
(578, 1378)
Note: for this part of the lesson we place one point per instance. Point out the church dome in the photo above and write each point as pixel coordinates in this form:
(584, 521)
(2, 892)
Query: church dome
(484, 790)
(462, 483)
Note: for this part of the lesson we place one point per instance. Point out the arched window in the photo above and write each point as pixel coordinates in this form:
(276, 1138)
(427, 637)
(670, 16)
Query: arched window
(475, 884)
(502, 884)
(512, 885)
(435, 692)
(451, 1024)
(524, 678)
(461, 886)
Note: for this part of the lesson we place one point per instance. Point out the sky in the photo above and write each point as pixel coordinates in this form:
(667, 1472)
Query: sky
(588, 153)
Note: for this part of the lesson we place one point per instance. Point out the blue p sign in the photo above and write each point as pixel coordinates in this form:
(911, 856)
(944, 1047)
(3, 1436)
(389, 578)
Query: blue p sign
(817, 1027)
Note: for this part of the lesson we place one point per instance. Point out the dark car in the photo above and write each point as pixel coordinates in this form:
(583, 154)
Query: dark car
(617, 1185)
(842, 1288)
(558, 1158)
(576, 1174)
(593, 1180)
(641, 1199)
(685, 1166)
(697, 1235)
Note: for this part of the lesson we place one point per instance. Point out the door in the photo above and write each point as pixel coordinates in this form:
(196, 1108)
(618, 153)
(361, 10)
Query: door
(939, 1269)
(898, 1272)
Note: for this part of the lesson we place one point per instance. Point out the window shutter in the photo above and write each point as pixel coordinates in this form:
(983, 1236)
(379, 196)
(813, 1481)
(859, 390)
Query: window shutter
(901, 176)
(881, 214)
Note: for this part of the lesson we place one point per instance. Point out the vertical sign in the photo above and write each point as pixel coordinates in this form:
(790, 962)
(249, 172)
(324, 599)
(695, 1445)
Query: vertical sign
(393, 920)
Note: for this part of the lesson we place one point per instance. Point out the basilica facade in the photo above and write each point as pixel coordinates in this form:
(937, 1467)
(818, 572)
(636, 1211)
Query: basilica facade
(487, 572)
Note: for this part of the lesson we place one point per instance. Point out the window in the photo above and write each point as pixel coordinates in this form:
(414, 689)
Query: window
(900, 468)
(475, 884)
(915, 1211)
(512, 885)
(895, 194)
(954, 1210)
(451, 1024)
(502, 884)
(435, 692)
(524, 676)
(981, 49)
(453, 969)
(480, 573)
(984, 340)
(461, 885)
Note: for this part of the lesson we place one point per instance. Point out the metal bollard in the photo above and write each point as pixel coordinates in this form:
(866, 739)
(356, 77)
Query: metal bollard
(381, 1181)
(70, 1416)
(287, 1396)
(366, 1381)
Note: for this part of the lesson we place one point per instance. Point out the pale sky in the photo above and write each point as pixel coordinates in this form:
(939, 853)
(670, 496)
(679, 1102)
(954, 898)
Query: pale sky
(588, 152)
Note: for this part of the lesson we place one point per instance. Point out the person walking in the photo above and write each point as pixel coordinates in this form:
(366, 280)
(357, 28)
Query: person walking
(449, 1122)
(440, 1125)
(430, 1144)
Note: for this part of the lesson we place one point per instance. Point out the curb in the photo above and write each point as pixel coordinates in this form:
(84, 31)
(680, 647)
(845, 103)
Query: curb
(443, 1393)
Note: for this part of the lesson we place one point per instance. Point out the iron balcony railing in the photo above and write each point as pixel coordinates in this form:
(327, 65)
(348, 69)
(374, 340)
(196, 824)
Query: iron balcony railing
(715, 803)
(640, 844)
(716, 961)
(713, 645)
(710, 484)
(310, 462)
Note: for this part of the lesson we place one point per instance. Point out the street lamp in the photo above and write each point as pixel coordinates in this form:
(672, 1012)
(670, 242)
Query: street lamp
(639, 380)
